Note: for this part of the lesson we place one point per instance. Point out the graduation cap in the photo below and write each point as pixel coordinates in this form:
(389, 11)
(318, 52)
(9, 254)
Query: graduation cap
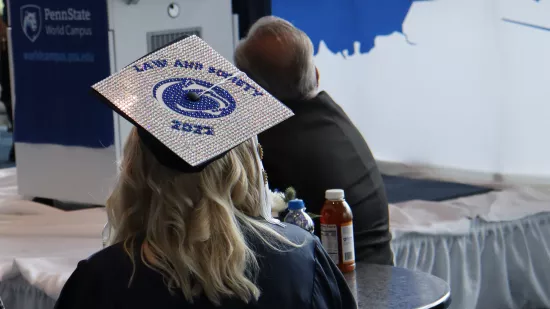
(190, 105)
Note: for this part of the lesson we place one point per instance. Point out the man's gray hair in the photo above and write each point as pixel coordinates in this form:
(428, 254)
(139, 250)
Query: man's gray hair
(279, 57)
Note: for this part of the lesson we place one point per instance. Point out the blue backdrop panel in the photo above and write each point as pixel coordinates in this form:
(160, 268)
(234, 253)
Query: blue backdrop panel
(60, 48)
(340, 23)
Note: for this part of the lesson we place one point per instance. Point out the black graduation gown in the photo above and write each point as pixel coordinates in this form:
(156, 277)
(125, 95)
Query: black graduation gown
(301, 278)
(320, 148)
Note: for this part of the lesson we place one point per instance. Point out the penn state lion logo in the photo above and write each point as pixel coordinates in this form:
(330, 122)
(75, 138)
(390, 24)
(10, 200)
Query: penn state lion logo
(31, 21)
(213, 103)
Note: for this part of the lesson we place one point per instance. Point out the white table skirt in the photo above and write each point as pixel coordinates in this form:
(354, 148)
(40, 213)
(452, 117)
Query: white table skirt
(494, 265)
(17, 293)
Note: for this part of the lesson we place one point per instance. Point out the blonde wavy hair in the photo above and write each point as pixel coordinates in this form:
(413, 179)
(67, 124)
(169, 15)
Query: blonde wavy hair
(194, 225)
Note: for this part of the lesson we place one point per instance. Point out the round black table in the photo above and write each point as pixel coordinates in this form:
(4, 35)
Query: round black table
(386, 287)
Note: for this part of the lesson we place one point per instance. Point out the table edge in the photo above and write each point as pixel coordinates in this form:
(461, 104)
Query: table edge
(437, 302)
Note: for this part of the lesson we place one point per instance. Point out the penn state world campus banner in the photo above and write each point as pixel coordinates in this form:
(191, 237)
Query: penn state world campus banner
(60, 48)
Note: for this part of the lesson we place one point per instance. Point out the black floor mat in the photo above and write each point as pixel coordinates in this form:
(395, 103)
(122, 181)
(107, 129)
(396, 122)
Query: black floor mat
(6, 142)
(401, 189)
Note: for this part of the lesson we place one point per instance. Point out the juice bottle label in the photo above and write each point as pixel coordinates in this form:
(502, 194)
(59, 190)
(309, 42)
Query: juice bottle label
(348, 248)
(329, 239)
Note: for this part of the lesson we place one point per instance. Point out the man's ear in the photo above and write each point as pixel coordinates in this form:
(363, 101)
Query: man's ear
(317, 75)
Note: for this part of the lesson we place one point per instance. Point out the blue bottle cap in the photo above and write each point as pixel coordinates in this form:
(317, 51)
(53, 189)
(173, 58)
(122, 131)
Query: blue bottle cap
(296, 205)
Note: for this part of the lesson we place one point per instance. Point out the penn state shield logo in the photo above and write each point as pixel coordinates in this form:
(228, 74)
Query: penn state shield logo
(214, 101)
(31, 21)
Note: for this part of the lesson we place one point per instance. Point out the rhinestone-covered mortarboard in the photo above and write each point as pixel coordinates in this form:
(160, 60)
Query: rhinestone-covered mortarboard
(189, 100)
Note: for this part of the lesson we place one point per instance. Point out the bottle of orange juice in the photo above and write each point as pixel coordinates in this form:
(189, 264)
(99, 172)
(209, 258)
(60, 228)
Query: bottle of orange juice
(337, 230)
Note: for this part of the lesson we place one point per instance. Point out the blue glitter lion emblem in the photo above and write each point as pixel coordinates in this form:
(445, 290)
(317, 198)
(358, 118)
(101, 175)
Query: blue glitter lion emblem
(213, 103)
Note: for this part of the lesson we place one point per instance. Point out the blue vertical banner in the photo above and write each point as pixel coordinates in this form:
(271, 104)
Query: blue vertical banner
(60, 48)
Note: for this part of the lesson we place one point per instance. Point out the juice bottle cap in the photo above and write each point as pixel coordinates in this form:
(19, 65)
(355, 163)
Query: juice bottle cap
(296, 204)
(334, 194)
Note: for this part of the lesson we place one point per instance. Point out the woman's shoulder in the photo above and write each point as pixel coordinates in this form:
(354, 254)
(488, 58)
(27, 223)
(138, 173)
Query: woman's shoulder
(303, 275)
(278, 256)
(304, 240)
(114, 256)
(96, 279)
(110, 266)
(286, 273)
(294, 233)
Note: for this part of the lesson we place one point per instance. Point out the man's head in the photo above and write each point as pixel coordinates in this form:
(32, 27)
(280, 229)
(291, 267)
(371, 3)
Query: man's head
(279, 57)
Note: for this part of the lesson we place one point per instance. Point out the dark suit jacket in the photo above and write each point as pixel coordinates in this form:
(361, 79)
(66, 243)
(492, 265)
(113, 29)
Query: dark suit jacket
(319, 149)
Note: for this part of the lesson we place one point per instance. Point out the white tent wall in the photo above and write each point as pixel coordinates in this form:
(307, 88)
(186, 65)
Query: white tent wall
(462, 92)
(525, 125)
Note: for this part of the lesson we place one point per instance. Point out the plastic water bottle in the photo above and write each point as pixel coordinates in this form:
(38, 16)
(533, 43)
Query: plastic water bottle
(297, 215)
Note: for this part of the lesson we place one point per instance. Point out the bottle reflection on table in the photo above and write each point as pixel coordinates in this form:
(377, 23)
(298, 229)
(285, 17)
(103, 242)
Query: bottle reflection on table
(351, 279)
